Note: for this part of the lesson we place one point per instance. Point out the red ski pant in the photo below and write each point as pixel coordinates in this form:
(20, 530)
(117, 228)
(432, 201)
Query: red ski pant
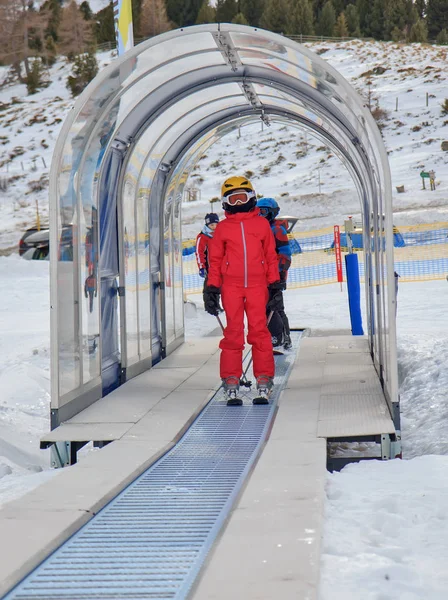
(236, 301)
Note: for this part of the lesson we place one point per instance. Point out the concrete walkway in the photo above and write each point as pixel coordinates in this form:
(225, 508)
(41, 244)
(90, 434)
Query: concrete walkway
(271, 546)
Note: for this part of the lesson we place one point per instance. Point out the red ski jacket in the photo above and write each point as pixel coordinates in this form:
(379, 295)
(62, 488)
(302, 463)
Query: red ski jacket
(202, 242)
(242, 252)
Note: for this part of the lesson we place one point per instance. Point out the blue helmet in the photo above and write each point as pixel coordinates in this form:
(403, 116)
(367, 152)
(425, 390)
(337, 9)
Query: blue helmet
(268, 208)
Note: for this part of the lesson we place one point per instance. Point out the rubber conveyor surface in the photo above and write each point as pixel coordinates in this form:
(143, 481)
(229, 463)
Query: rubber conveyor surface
(152, 539)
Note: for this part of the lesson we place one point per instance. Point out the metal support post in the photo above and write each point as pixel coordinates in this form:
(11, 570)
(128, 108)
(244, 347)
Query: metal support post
(385, 447)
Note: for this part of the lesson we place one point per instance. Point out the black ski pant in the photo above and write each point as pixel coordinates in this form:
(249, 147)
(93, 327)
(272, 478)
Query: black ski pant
(279, 323)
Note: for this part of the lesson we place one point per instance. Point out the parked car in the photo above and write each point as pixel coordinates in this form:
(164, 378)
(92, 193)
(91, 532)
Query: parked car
(35, 244)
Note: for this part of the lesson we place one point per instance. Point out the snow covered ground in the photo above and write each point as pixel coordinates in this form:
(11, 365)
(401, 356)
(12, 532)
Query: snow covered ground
(386, 524)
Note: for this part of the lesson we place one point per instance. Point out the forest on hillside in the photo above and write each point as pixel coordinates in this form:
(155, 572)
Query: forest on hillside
(33, 36)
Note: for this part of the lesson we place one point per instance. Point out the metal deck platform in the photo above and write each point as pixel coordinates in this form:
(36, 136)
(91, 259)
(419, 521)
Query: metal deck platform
(144, 543)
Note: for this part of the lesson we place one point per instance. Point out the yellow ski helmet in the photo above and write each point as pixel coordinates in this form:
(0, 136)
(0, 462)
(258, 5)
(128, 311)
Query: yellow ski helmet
(235, 183)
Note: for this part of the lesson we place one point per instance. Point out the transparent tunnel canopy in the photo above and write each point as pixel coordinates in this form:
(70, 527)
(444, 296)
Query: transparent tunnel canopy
(118, 176)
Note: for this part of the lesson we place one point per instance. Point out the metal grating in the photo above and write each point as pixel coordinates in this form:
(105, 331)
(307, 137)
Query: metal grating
(150, 541)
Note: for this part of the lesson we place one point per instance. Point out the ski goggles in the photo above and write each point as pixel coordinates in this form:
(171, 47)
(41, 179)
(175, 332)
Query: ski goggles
(264, 211)
(235, 198)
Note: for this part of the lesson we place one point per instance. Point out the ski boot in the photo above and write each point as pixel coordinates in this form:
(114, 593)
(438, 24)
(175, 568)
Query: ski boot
(231, 387)
(287, 344)
(277, 341)
(264, 388)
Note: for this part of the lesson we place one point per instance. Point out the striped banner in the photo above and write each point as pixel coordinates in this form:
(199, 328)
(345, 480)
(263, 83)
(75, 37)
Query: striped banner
(123, 25)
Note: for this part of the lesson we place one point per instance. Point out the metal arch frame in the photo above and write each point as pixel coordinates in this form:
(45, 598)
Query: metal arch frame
(173, 151)
(364, 151)
(175, 154)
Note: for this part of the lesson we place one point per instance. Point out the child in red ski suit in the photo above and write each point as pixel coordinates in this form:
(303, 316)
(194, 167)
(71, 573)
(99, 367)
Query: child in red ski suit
(243, 263)
(202, 242)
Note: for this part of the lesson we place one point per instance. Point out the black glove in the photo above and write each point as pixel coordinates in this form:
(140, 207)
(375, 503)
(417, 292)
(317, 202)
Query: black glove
(211, 300)
(275, 301)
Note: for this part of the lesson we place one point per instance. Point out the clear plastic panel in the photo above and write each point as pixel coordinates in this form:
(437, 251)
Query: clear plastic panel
(257, 59)
(168, 251)
(178, 118)
(78, 298)
(68, 317)
(177, 260)
(142, 88)
(130, 267)
(143, 275)
(88, 261)
(195, 48)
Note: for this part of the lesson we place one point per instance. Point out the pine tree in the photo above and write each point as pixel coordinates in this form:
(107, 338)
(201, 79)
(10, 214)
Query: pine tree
(84, 7)
(394, 17)
(327, 20)
(105, 28)
(364, 8)
(75, 33)
(419, 32)
(341, 29)
(411, 14)
(206, 14)
(302, 18)
(352, 17)
(397, 35)
(22, 35)
(136, 6)
(436, 17)
(37, 26)
(339, 6)
(252, 10)
(240, 19)
(183, 12)
(377, 19)
(35, 79)
(317, 8)
(275, 16)
(442, 38)
(85, 68)
(226, 10)
(153, 18)
(54, 8)
(50, 51)
(420, 7)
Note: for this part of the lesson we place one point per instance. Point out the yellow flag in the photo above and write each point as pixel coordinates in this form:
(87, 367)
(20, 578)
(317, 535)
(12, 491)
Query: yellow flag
(123, 25)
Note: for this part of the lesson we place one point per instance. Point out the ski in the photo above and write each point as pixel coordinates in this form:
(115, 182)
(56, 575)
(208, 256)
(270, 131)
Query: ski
(278, 353)
(232, 398)
(234, 402)
(261, 399)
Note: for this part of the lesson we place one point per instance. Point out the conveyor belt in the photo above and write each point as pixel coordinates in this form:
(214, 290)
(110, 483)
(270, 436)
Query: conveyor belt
(152, 539)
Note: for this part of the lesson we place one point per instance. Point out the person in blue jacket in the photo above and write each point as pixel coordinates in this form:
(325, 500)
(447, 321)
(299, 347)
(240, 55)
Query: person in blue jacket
(279, 324)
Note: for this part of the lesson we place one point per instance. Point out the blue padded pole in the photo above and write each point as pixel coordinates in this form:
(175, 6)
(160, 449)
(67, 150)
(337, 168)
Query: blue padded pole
(354, 293)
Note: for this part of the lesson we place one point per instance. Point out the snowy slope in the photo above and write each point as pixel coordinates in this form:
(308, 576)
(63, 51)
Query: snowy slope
(285, 162)
(276, 157)
(29, 128)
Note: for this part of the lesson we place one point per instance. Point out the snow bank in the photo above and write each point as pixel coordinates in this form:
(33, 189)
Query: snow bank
(386, 527)
(423, 373)
(24, 373)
